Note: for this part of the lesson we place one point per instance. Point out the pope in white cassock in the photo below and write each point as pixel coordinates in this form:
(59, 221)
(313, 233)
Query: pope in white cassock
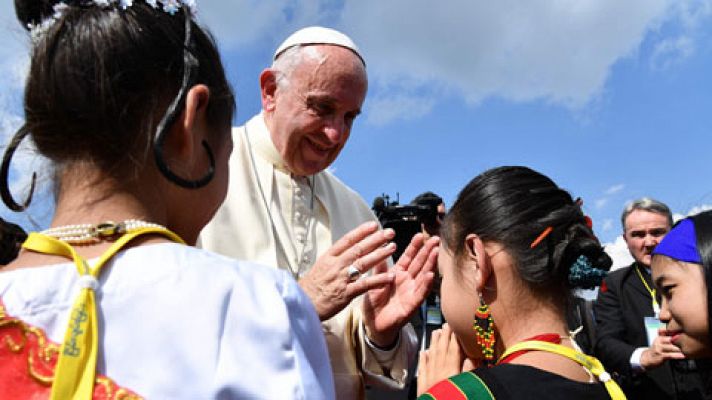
(284, 208)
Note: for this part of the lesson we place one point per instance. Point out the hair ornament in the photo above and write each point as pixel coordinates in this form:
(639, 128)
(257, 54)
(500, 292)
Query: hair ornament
(541, 237)
(169, 6)
(38, 30)
(587, 220)
(582, 274)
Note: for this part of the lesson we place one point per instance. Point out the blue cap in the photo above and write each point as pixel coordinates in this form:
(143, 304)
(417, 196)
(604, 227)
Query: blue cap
(680, 243)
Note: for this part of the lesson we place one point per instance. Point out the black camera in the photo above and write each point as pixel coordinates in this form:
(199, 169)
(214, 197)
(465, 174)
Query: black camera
(405, 220)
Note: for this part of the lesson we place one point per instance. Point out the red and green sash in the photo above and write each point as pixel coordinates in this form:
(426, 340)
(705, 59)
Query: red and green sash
(465, 386)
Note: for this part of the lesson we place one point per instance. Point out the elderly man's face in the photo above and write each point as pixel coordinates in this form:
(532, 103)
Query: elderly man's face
(643, 231)
(310, 116)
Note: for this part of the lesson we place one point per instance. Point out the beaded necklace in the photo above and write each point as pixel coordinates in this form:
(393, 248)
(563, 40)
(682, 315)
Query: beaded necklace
(86, 234)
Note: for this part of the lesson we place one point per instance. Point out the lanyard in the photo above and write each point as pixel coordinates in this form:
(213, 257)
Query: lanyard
(590, 363)
(656, 306)
(76, 367)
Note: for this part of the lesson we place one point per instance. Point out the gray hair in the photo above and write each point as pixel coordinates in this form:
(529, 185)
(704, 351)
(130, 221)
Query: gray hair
(288, 61)
(646, 204)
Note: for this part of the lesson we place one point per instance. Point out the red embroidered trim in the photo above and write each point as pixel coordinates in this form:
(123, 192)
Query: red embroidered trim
(28, 360)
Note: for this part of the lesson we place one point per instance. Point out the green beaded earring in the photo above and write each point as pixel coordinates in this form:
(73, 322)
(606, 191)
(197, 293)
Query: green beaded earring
(483, 326)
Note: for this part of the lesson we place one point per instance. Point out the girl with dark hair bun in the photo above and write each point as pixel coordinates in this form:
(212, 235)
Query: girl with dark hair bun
(130, 101)
(513, 247)
(682, 272)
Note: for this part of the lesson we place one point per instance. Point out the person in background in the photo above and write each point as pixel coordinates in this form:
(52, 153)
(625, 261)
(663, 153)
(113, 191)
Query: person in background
(130, 102)
(431, 226)
(626, 310)
(429, 317)
(285, 208)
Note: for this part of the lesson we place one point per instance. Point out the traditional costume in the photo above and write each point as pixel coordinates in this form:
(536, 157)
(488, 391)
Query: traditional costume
(174, 322)
(505, 381)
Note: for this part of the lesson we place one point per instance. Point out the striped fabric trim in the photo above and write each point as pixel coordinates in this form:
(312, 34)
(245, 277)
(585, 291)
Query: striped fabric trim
(465, 386)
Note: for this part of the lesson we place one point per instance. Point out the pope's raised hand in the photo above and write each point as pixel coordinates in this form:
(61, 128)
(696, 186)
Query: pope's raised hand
(335, 279)
(387, 308)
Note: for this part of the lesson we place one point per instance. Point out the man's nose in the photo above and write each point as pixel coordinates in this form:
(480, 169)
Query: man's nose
(335, 129)
(650, 241)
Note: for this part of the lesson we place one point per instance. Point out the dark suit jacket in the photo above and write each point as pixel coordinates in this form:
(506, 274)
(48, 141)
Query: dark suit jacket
(622, 303)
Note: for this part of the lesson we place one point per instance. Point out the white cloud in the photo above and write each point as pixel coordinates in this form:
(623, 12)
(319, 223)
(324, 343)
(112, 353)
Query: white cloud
(692, 13)
(600, 203)
(384, 109)
(618, 251)
(607, 225)
(675, 50)
(692, 211)
(557, 51)
(615, 189)
(245, 22)
(607, 195)
(671, 52)
(560, 52)
(699, 209)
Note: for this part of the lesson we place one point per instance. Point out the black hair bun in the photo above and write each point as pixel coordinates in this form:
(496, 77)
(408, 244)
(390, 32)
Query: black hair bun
(32, 12)
(583, 258)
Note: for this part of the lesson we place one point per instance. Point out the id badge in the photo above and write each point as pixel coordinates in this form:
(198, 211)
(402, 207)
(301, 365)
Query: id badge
(652, 325)
(433, 315)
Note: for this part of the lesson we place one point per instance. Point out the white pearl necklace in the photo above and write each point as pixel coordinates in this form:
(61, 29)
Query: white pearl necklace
(82, 234)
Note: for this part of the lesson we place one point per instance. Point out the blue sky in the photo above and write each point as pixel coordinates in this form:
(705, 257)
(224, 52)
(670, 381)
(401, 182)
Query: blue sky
(611, 99)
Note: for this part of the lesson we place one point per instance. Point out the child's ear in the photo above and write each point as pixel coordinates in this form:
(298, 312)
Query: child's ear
(196, 106)
(475, 252)
(186, 141)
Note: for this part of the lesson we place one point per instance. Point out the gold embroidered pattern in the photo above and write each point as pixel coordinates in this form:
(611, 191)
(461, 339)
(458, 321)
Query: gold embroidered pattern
(22, 339)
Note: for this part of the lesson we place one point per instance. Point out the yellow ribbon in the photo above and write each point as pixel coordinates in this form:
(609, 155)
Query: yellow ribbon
(590, 363)
(76, 367)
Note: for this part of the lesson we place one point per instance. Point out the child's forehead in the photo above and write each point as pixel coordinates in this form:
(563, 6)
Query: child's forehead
(664, 267)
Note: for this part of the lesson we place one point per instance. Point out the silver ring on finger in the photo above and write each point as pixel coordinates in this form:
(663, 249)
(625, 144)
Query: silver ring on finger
(353, 273)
